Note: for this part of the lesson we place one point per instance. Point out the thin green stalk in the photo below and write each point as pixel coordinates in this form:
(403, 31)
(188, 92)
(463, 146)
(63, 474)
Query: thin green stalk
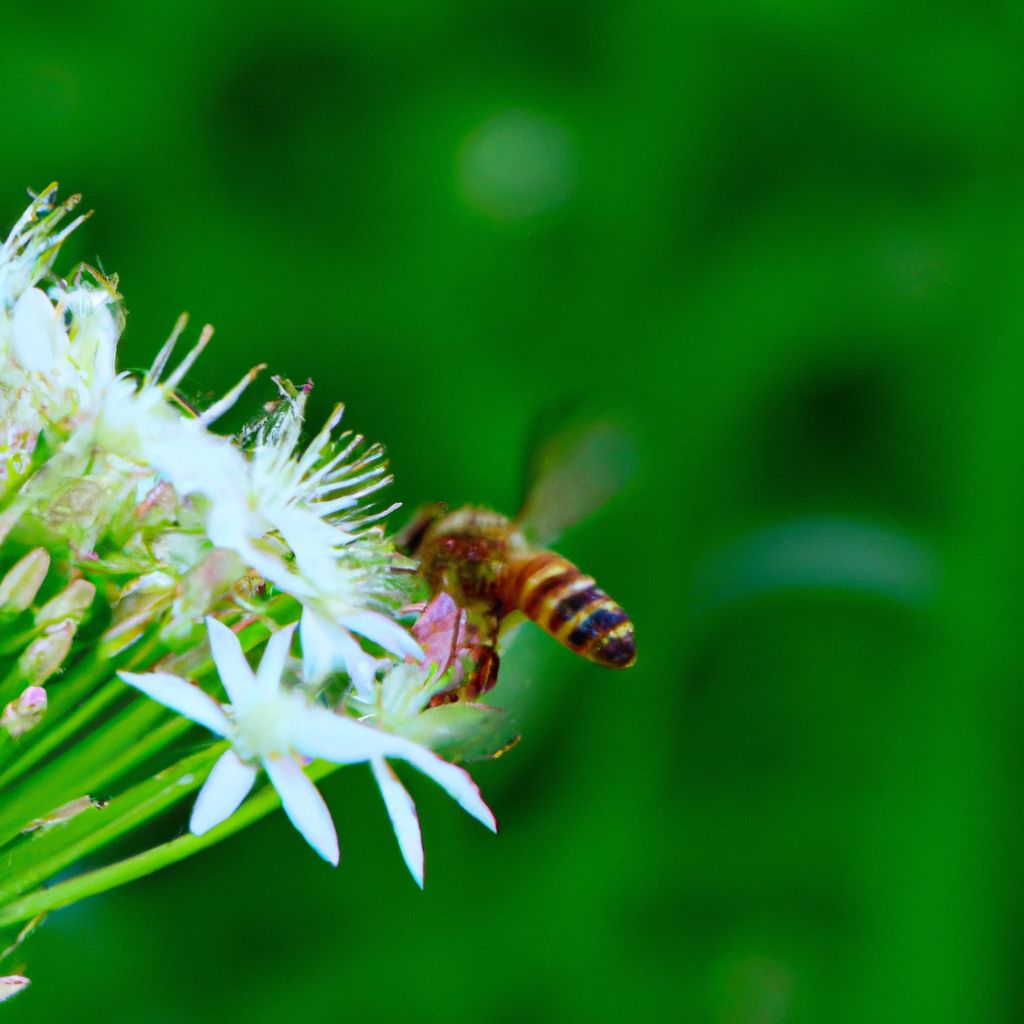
(55, 846)
(45, 852)
(139, 752)
(81, 771)
(94, 882)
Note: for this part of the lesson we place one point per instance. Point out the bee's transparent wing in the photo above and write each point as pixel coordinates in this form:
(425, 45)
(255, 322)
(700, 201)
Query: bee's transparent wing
(572, 473)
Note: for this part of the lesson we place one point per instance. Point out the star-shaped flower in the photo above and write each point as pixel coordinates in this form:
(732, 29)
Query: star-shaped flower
(275, 727)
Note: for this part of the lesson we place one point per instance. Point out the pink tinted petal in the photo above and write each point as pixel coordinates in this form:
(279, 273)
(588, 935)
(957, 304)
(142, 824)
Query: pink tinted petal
(226, 787)
(402, 812)
(180, 696)
(304, 806)
(440, 630)
(11, 985)
(233, 669)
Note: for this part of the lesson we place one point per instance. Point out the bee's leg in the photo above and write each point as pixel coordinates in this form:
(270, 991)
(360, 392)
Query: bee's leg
(481, 676)
(484, 673)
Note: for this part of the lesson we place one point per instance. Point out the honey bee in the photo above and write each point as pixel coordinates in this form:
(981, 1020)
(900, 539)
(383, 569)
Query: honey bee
(499, 571)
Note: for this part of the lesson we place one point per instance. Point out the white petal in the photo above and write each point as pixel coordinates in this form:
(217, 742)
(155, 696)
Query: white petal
(272, 568)
(38, 338)
(197, 461)
(11, 985)
(312, 539)
(454, 780)
(402, 812)
(381, 630)
(318, 654)
(268, 675)
(180, 696)
(303, 805)
(95, 335)
(360, 665)
(336, 738)
(226, 787)
(327, 647)
(233, 669)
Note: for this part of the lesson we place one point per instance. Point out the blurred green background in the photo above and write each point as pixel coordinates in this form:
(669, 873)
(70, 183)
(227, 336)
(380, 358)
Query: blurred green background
(783, 243)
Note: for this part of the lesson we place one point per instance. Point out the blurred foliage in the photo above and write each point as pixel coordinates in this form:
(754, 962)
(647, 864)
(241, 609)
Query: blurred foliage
(783, 243)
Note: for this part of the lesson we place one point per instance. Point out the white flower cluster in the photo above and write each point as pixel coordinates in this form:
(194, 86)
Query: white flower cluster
(125, 483)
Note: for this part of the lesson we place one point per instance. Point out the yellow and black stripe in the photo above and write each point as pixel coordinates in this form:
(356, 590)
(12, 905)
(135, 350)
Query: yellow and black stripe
(569, 606)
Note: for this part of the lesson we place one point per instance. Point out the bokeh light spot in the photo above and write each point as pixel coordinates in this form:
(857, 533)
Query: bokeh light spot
(517, 165)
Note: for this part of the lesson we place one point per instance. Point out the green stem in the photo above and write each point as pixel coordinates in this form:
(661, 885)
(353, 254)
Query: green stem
(50, 849)
(138, 753)
(93, 762)
(94, 882)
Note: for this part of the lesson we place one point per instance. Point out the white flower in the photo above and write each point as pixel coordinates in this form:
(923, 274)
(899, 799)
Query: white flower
(332, 615)
(310, 499)
(313, 501)
(139, 421)
(61, 372)
(274, 727)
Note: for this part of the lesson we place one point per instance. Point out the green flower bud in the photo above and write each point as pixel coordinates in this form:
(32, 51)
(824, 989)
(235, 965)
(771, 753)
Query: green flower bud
(45, 656)
(19, 587)
(71, 603)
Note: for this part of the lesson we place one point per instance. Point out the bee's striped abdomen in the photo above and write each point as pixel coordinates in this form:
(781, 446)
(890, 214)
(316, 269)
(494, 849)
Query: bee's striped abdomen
(569, 606)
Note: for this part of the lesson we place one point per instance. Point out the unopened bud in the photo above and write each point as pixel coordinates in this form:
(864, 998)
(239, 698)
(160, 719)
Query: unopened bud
(25, 712)
(71, 603)
(141, 602)
(65, 813)
(9, 519)
(159, 505)
(208, 582)
(11, 985)
(19, 587)
(45, 656)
